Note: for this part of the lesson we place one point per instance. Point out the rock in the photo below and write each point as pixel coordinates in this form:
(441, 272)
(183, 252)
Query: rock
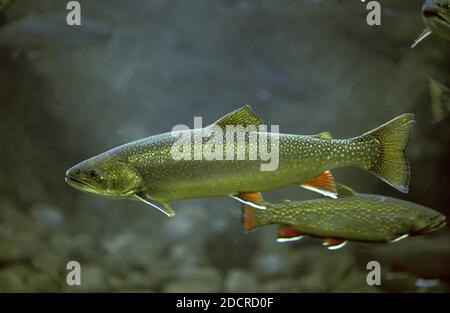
(44, 282)
(13, 279)
(11, 251)
(93, 279)
(354, 281)
(239, 280)
(118, 243)
(280, 285)
(191, 279)
(271, 265)
(47, 261)
(47, 216)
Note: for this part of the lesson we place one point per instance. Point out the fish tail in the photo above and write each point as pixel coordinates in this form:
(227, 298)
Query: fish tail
(251, 217)
(391, 165)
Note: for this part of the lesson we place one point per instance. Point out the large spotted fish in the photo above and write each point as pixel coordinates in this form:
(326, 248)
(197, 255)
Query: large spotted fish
(146, 169)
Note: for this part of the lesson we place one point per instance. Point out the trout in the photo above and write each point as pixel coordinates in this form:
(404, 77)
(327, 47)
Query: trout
(147, 169)
(351, 217)
(436, 16)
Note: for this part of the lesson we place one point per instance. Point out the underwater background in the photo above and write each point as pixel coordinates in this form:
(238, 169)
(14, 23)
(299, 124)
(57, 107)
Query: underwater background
(137, 68)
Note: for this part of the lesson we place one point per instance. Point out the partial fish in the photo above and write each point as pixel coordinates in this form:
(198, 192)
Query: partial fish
(351, 217)
(146, 169)
(440, 100)
(436, 16)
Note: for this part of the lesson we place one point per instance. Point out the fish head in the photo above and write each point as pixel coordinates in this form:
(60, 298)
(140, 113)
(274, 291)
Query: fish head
(428, 221)
(436, 15)
(106, 176)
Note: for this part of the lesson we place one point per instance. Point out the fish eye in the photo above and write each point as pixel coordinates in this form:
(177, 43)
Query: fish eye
(93, 173)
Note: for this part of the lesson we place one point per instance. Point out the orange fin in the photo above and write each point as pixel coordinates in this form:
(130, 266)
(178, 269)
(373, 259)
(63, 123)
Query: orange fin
(253, 199)
(323, 184)
(334, 244)
(248, 217)
(287, 233)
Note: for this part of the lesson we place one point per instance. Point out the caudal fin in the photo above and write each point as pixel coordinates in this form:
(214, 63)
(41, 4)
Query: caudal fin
(392, 164)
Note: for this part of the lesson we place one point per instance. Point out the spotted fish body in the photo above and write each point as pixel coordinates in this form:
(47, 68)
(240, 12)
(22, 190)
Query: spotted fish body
(357, 217)
(148, 170)
(301, 159)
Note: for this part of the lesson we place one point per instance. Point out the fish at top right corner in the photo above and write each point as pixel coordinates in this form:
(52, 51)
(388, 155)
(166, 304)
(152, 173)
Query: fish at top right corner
(436, 17)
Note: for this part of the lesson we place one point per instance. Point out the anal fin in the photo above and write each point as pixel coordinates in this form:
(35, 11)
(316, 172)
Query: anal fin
(334, 244)
(287, 233)
(160, 206)
(253, 199)
(323, 184)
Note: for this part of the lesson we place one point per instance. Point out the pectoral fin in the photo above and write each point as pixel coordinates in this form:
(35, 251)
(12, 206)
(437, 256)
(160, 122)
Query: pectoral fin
(287, 233)
(161, 206)
(334, 244)
(253, 199)
(323, 184)
(399, 238)
(426, 32)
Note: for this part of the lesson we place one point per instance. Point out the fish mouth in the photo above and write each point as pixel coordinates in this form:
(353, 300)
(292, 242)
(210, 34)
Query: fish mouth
(79, 184)
(429, 13)
(439, 222)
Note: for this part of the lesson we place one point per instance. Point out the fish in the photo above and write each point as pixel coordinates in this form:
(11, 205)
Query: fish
(146, 170)
(436, 16)
(440, 100)
(351, 217)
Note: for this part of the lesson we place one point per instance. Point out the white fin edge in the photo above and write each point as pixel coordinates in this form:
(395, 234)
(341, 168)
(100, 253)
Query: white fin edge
(421, 37)
(322, 192)
(256, 206)
(168, 212)
(281, 240)
(399, 238)
(335, 247)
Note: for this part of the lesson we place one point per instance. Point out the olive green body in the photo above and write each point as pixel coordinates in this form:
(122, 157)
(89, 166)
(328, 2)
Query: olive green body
(301, 158)
(362, 217)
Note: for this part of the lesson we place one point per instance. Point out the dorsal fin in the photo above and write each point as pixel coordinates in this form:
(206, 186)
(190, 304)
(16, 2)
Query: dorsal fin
(324, 135)
(243, 116)
(344, 191)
